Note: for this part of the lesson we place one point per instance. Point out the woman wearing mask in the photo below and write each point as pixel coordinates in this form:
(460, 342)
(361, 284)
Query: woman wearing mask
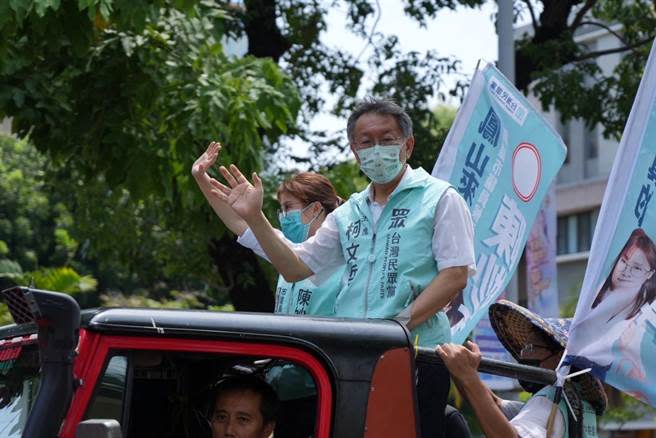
(305, 200)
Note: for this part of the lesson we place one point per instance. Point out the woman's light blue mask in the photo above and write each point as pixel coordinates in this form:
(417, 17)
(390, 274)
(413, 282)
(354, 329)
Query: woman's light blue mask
(292, 225)
(381, 163)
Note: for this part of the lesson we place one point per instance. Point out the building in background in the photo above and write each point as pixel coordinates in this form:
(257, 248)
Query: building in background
(581, 182)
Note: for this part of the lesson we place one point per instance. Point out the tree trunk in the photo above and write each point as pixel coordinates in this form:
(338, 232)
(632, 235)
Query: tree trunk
(264, 36)
(240, 271)
(552, 26)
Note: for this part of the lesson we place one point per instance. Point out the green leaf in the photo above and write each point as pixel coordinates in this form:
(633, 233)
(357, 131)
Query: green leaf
(105, 8)
(41, 6)
(9, 268)
(63, 279)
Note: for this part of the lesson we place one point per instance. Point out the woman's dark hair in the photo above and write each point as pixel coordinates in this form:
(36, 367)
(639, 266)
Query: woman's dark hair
(647, 292)
(312, 187)
(269, 404)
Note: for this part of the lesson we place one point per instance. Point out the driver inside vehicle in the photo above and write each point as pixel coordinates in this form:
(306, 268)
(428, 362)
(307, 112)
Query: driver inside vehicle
(245, 406)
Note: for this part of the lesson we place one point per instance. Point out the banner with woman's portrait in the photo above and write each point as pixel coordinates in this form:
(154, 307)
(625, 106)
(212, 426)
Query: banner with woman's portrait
(614, 327)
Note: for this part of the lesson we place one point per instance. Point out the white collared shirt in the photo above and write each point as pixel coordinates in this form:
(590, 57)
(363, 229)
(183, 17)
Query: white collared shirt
(531, 421)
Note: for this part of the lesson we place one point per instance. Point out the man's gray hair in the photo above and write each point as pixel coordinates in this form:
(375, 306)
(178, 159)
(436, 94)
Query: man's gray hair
(382, 107)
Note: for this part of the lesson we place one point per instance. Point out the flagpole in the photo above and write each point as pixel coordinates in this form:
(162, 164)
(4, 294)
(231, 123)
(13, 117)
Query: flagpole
(497, 367)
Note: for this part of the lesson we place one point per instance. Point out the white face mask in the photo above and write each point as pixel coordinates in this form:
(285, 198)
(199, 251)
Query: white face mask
(381, 163)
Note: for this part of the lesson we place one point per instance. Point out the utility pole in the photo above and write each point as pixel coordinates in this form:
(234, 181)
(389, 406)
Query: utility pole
(506, 63)
(506, 39)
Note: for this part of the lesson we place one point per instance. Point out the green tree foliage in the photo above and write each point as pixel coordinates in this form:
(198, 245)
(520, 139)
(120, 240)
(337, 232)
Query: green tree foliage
(34, 225)
(122, 96)
(425, 155)
(563, 69)
(565, 73)
(177, 300)
(622, 408)
(131, 101)
(290, 31)
(36, 247)
(62, 279)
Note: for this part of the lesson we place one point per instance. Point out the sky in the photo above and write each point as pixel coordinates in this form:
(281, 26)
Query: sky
(468, 34)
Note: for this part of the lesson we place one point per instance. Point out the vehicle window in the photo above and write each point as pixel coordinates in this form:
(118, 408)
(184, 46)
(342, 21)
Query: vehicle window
(171, 394)
(108, 399)
(19, 381)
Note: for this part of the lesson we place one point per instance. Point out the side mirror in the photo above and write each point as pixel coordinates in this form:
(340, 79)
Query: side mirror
(99, 429)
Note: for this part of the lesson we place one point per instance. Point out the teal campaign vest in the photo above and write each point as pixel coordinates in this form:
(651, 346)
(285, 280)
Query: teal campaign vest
(306, 298)
(301, 298)
(589, 416)
(389, 265)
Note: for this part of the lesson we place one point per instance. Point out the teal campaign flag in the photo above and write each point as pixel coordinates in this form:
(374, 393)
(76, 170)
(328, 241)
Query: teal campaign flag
(614, 327)
(501, 156)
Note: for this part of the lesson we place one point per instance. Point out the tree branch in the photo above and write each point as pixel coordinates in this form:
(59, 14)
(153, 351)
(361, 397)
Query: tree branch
(371, 34)
(615, 50)
(581, 14)
(532, 12)
(607, 28)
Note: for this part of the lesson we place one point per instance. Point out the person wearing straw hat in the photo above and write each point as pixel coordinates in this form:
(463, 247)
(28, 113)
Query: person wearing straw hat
(535, 341)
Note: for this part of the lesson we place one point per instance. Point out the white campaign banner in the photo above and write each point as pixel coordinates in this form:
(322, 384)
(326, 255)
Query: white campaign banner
(614, 327)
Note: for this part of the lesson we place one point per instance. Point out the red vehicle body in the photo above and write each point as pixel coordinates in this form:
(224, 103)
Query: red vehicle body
(149, 372)
(149, 368)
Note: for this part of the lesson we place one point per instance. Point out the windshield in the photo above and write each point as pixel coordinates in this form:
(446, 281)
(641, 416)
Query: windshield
(19, 379)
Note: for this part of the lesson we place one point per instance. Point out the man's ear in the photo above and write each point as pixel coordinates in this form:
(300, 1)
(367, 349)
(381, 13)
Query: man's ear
(269, 428)
(409, 147)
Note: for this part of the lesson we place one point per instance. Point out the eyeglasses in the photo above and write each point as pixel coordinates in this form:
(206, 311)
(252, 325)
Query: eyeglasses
(387, 141)
(530, 348)
(285, 212)
(632, 269)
